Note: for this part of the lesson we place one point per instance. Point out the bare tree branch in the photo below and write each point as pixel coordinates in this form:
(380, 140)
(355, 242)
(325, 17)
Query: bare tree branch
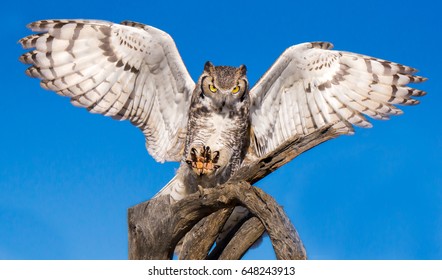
(199, 240)
(155, 226)
(249, 232)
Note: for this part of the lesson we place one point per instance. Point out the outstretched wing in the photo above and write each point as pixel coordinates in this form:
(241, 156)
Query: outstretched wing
(126, 71)
(310, 86)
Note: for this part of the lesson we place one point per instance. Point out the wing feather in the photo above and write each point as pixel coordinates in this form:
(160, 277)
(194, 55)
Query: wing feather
(125, 71)
(310, 86)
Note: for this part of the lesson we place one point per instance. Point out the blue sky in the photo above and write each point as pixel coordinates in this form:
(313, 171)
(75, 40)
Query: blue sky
(67, 177)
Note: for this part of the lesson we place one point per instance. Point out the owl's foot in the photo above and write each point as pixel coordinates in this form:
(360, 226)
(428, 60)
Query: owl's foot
(204, 161)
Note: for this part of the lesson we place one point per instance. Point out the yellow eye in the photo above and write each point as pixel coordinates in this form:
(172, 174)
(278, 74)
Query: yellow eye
(212, 88)
(235, 89)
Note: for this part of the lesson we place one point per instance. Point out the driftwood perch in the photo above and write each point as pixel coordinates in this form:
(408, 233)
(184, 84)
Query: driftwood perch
(156, 227)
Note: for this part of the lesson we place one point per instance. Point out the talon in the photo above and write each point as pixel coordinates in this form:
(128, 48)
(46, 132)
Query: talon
(207, 153)
(193, 154)
(216, 157)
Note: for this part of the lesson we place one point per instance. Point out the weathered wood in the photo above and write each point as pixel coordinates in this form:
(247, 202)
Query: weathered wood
(249, 232)
(146, 240)
(284, 237)
(155, 227)
(234, 235)
(199, 240)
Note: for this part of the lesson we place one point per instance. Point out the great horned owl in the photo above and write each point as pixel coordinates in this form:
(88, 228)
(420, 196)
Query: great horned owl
(218, 126)
(134, 71)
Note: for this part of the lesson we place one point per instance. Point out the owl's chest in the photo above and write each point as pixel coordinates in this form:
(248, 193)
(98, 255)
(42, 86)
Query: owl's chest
(222, 129)
(217, 131)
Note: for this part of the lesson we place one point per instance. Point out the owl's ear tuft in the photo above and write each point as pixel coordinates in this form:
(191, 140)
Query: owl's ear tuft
(208, 67)
(242, 69)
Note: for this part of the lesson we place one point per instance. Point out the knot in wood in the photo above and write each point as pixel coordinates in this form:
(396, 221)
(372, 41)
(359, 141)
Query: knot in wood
(223, 199)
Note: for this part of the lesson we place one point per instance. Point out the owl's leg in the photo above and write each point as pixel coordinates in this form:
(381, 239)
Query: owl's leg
(203, 161)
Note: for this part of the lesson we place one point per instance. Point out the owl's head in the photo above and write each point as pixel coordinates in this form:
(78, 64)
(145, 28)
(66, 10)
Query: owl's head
(224, 86)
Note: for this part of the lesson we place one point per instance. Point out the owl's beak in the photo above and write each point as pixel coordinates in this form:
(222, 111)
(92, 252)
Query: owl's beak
(222, 104)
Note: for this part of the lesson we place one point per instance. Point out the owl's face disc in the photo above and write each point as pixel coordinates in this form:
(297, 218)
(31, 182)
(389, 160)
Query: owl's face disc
(224, 86)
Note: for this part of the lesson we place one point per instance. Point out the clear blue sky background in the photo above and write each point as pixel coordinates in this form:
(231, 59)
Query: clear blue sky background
(67, 177)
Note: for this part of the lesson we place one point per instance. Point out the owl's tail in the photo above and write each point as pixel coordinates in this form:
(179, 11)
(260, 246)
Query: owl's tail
(175, 188)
